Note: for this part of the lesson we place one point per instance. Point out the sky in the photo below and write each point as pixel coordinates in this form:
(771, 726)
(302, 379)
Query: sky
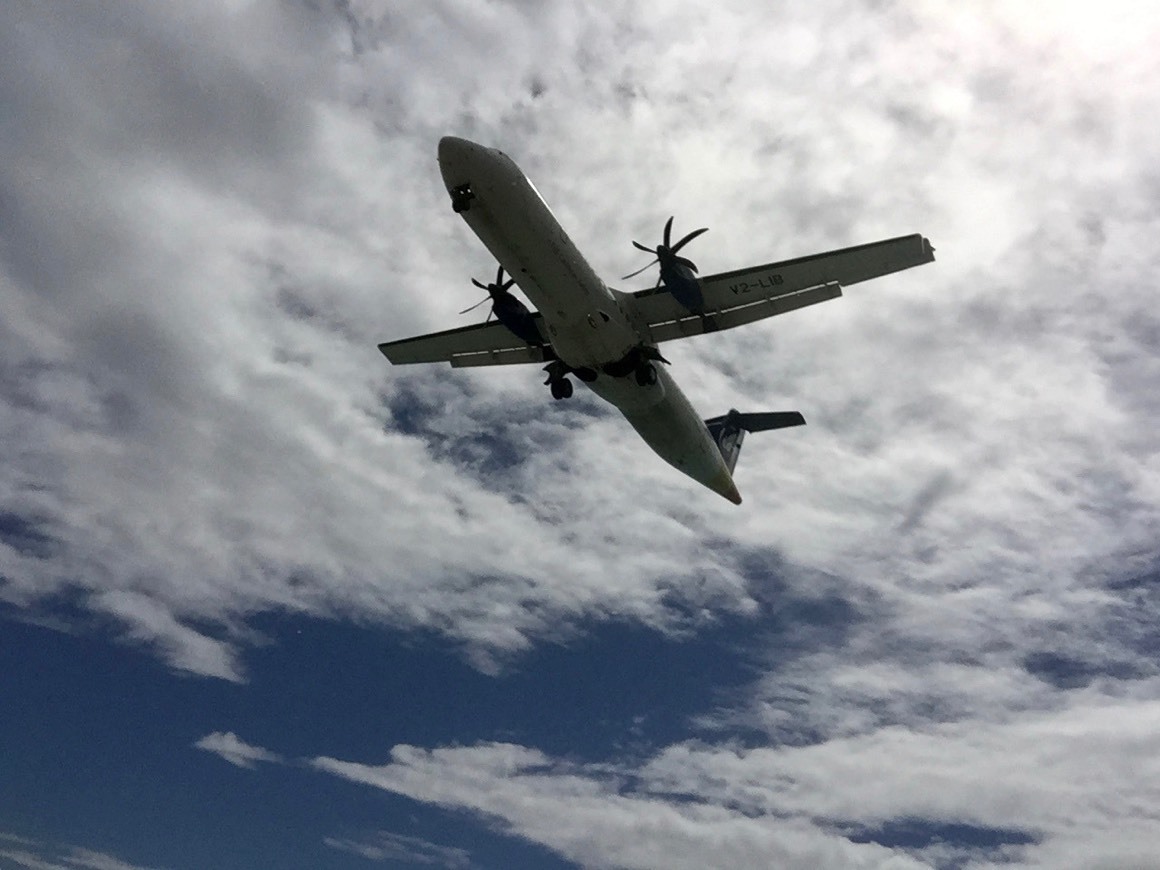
(267, 601)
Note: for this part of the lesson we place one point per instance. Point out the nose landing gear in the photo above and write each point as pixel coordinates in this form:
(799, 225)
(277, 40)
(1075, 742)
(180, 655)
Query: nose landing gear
(461, 198)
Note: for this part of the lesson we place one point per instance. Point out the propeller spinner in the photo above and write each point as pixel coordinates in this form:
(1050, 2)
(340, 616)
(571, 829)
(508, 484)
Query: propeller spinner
(508, 310)
(495, 292)
(666, 252)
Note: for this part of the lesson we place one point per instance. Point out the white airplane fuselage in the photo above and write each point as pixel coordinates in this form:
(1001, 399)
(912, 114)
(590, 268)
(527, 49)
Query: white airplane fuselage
(588, 324)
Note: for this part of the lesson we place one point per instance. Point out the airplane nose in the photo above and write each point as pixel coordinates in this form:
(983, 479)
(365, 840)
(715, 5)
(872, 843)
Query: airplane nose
(453, 150)
(458, 161)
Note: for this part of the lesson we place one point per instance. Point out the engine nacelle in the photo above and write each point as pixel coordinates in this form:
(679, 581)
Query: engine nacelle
(684, 286)
(513, 314)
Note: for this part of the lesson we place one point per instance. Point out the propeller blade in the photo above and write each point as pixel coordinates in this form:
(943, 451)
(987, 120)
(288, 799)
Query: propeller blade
(689, 238)
(638, 271)
(499, 275)
(477, 304)
(666, 251)
(504, 287)
(478, 284)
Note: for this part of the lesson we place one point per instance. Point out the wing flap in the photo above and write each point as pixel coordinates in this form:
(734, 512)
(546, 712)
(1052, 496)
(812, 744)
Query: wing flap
(693, 324)
(508, 357)
(484, 340)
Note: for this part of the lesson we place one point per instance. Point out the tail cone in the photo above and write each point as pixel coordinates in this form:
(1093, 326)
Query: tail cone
(725, 486)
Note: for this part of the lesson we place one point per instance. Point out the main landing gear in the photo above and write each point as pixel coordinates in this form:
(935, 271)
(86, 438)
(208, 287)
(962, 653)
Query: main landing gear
(646, 374)
(641, 368)
(639, 363)
(558, 381)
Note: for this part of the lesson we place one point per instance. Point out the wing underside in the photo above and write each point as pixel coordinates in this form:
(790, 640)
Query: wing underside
(745, 295)
(482, 344)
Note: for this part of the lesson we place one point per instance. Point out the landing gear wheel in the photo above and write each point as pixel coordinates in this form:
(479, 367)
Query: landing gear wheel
(646, 375)
(561, 389)
(461, 198)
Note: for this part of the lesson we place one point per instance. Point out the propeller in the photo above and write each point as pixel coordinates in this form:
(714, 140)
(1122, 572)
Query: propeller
(495, 292)
(666, 252)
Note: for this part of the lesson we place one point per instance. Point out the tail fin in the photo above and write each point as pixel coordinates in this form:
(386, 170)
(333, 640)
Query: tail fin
(729, 430)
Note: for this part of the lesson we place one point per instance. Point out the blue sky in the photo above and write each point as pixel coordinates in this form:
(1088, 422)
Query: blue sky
(104, 752)
(266, 601)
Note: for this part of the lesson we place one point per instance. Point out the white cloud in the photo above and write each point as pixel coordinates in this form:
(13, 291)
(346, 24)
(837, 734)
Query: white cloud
(235, 750)
(203, 436)
(1072, 788)
(585, 817)
(184, 648)
(197, 428)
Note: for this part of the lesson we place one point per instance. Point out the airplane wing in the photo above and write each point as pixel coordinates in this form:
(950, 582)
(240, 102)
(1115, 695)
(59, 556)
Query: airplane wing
(482, 344)
(746, 295)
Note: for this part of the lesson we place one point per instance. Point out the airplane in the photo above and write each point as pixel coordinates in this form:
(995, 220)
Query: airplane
(609, 339)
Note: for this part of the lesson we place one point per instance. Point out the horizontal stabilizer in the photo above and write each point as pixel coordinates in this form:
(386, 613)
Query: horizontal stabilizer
(770, 420)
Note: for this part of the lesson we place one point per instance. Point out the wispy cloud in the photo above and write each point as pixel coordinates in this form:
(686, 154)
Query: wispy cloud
(30, 860)
(1070, 788)
(185, 648)
(91, 860)
(563, 806)
(235, 750)
(41, 856)
(386, 846)
(17, 839)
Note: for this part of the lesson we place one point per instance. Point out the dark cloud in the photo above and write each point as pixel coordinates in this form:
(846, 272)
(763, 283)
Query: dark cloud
(25, 535)
(1064, 671)
(958, 845)
(927, 497)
